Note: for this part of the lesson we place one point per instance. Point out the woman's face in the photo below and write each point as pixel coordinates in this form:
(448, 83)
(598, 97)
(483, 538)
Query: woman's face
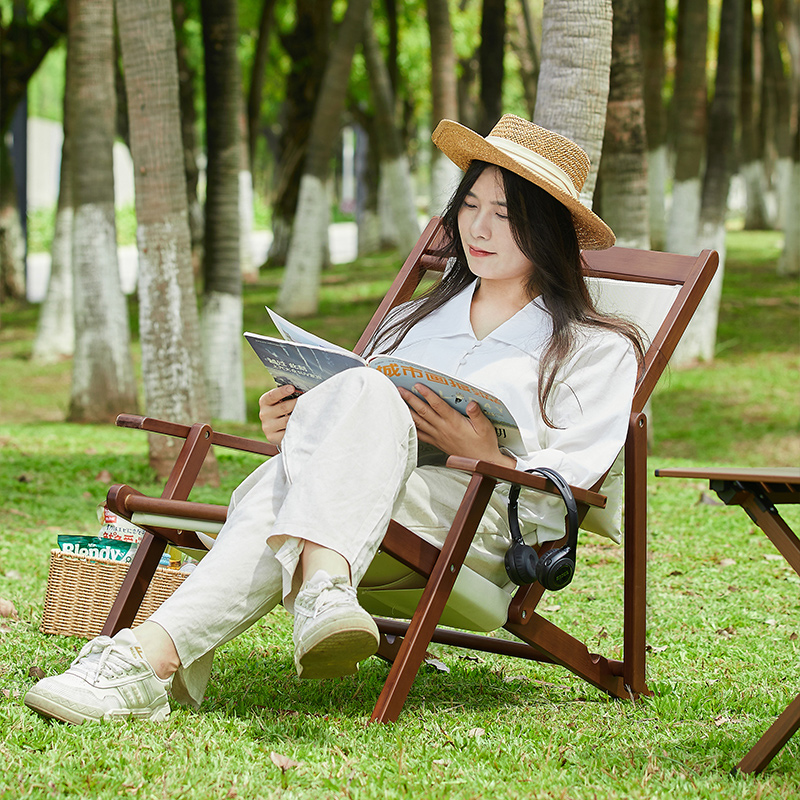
(492, 253)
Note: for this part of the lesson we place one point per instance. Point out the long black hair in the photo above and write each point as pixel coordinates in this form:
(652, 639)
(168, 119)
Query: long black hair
(543, 230)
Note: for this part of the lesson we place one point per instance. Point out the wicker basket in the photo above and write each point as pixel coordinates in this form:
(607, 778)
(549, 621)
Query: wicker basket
(80, 592)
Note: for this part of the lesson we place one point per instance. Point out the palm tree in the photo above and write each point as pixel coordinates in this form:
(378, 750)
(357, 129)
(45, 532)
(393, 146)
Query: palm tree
(395, 174)
(102, 374)
(444, 97)
(699, 340)
(689, 124)
(623, 169)
(789, 263)
(24, 42)
(776, 107)
(169, 328)
(752, 165)
(55, 331)
(222, 295)
(491, 56)
(523, 43)
(574, 77)
(299, 290)
(653, 16)
(307, 45)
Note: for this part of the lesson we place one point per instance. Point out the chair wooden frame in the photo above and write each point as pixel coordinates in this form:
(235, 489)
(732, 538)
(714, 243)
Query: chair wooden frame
(405, 642)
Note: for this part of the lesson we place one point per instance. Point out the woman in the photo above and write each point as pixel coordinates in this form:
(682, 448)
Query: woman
(511, 314)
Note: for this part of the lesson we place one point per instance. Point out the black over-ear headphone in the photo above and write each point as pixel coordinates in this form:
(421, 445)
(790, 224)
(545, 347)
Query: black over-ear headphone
(554, 570)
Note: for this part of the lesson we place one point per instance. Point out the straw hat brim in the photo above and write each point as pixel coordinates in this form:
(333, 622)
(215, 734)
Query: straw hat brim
(462, 146)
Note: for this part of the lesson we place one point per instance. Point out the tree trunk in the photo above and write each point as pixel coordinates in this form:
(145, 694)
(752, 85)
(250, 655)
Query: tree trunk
(299, 291)
(55, 332)
(307, 47)
(574, 77)
(523, 43)
(257, 76)
(700, 338)
(623, 169)
(444, 99)
(246, 204)
(222, 297)
(653, 21)
(777, 104)
(367, 164)
(689, 125)
(752, 166)
(12, 238)
(491, 54)
(102, 376)
(25, 43)
(789, 262)
(186, 93)
(169, 327)
(395, 173)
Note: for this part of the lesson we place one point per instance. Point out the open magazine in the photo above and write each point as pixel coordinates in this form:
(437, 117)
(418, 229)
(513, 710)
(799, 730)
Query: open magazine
(304, 360)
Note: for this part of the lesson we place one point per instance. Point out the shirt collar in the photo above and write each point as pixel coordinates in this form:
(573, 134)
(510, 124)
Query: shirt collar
(533, 320)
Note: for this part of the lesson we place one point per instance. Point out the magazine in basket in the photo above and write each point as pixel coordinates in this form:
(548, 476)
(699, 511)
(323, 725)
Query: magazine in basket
(304, 360)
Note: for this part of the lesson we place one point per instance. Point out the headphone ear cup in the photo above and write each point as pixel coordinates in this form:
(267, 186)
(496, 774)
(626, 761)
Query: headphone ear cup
(555, 569)
(521, 562)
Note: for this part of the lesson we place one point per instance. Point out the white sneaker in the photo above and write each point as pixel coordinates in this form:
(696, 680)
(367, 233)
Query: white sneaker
(110, 678)
(332, 633)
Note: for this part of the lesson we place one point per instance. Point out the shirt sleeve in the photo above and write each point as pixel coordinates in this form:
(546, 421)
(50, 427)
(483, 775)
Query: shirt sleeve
(590, 406)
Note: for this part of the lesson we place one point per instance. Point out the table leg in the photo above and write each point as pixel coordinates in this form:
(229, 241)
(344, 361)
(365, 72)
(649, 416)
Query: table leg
(771, 742)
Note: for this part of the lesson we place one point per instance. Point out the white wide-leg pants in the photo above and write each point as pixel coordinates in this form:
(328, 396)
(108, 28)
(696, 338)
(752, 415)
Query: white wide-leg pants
(347, 466)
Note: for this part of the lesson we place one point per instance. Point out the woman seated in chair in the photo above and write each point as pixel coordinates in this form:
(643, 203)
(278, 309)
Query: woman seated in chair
(512, 314)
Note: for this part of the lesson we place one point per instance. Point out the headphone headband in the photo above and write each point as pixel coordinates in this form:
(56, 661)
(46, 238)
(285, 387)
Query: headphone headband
(556, 567)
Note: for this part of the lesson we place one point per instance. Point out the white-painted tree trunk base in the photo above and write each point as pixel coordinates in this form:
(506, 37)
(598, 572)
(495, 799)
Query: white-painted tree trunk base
(657, 183)
(445, 177)
(369, 232)
(684, 217)
(758, 214)
(246, 220)
(103, 382)
(399, 199)
(221, 331)
(789, 261)
(299, 291)
(700, 339)
(55, 334)
(783, 184)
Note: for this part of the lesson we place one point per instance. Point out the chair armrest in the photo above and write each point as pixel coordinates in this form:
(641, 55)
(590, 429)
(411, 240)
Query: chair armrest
(523, 479)
(182, 431)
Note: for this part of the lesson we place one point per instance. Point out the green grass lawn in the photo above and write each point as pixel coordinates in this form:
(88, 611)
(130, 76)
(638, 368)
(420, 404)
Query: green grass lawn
(723, 609)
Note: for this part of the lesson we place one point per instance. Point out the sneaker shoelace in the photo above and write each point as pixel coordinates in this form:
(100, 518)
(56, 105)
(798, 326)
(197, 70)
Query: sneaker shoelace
(103, 658)
(331, 593)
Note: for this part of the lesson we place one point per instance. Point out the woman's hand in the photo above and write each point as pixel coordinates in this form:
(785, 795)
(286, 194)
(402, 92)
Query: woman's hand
(471, 436)
(274, 409)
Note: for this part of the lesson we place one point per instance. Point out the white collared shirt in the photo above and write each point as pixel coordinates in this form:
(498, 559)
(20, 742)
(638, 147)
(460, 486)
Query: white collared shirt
(590, 402)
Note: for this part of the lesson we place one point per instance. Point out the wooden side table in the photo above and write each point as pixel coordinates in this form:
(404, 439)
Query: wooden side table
(758, 492)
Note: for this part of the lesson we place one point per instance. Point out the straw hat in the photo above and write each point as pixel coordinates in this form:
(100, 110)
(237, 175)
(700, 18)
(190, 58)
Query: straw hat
(547, 159)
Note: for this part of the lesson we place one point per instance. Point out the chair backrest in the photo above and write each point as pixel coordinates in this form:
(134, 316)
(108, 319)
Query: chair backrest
(658, 291)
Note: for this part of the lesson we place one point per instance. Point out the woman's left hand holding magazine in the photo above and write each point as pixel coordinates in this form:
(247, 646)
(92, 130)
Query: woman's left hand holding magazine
(471, 436)
(274, 409)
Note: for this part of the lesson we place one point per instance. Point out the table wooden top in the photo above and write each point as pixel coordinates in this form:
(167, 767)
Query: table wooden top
(783, 475)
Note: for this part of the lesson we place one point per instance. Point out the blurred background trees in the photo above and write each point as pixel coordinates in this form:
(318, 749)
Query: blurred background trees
(689, 112)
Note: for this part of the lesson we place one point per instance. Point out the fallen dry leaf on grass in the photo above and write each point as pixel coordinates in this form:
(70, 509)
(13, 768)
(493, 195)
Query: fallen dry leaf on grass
(7, 609)
(283, 762)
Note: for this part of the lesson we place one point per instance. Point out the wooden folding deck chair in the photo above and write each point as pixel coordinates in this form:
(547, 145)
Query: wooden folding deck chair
(412, 579)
